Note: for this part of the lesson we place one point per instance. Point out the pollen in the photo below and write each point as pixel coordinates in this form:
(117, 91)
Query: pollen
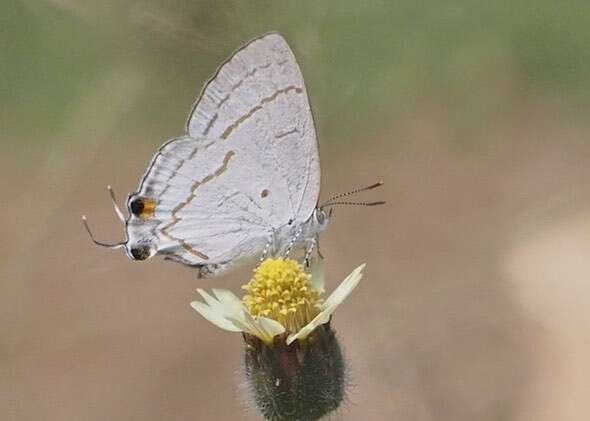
(281, 290)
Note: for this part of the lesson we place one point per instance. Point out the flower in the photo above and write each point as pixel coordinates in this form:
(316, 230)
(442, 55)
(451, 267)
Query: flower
(293, 363)
(280, 298)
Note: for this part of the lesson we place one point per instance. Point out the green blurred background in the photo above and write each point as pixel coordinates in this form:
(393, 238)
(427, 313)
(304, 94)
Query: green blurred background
(473, 113)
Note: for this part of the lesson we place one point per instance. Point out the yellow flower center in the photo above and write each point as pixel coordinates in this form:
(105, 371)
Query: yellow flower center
(281, 290)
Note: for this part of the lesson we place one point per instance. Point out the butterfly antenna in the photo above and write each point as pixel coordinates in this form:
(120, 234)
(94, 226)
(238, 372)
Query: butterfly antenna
(115, 205)
(355, 203)
(98, 243)
(330, 201)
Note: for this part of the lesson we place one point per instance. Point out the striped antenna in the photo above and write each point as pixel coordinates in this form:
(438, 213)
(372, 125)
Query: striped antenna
(381, 202)
(331, 201)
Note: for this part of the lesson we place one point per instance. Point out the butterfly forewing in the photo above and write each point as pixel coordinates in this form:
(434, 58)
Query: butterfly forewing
(258, 99)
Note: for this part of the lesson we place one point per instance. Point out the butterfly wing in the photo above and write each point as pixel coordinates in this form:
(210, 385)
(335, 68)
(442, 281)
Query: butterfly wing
(258, 100)
(248, 165)
(193, 206)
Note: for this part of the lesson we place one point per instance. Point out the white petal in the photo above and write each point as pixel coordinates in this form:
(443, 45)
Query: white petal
(250, 326)
(226, 296)
(318, 280)
(208, 298)
(344, 289)
(254, 326)
(223, 310)
(246, 327)
(270, 326)
(330, 305)
(214, 316)
(265, 328)
(227, 311)
(320, 319)
(227, 307)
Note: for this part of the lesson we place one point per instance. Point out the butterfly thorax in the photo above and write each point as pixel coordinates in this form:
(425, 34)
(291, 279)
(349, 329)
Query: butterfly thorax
(293, 235)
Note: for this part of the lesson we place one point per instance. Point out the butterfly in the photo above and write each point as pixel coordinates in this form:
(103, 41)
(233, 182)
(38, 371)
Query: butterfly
(243, 181)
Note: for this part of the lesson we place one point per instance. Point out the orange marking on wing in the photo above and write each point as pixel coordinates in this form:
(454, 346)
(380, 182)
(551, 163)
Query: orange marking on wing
(149, 208)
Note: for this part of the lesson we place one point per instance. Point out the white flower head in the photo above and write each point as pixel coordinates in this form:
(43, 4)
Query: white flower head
(281, 298)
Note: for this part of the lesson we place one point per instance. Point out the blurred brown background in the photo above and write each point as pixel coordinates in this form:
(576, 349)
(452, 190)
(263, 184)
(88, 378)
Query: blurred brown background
(474, 114)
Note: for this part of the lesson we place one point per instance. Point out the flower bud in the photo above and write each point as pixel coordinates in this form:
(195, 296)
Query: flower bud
(301, 381)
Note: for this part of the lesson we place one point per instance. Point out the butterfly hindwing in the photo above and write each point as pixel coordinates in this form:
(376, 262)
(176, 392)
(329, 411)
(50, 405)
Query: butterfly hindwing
(200, 212)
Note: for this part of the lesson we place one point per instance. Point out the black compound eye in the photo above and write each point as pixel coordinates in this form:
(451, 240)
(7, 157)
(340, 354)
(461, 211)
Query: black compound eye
(140, 253)
(137, 206)
(320, 216)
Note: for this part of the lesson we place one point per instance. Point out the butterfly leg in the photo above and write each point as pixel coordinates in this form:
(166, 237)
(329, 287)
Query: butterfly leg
(317, 246)
(266, 250)
(313, 243)
(292, 242)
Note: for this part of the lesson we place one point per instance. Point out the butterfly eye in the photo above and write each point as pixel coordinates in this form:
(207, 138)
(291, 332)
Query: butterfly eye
(320, 216)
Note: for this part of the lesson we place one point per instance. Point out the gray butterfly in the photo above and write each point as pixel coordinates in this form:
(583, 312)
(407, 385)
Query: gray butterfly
(243, 181)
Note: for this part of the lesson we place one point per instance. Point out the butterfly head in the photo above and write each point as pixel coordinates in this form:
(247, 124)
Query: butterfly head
(321, 217)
